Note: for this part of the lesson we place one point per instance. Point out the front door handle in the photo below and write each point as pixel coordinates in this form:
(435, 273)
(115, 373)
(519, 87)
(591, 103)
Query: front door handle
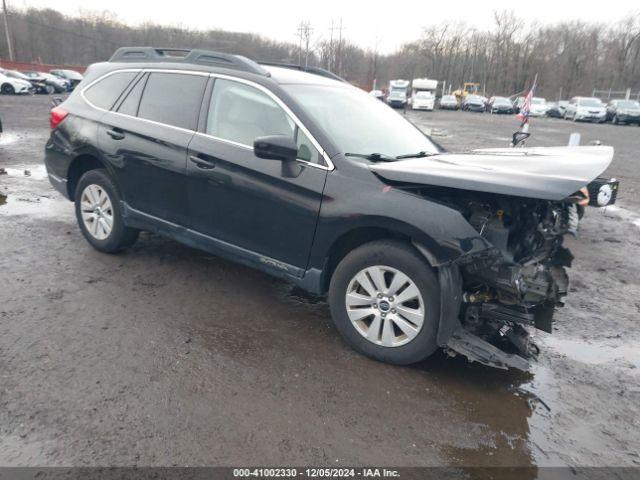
(115, 134)
(203, 163)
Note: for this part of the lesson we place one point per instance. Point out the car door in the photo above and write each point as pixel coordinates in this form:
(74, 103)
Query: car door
(146, 138)
(264, 210)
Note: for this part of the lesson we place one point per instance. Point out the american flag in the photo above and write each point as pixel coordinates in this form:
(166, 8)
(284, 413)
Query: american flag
(525, 110)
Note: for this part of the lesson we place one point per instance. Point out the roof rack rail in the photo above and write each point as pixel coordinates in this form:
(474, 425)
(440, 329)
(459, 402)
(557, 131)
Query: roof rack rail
(314, 70)
(184, 55)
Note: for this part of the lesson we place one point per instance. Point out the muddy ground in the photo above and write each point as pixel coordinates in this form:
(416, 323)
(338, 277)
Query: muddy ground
(165, 355)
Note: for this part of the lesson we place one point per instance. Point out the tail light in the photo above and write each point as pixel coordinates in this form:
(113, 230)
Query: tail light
(58, 114)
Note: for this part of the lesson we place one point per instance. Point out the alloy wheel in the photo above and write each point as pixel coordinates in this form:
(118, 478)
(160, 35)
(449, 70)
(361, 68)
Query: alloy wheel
(97, 211)
(385, 306)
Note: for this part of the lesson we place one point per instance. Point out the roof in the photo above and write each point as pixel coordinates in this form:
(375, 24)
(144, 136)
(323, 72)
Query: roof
(211, 61)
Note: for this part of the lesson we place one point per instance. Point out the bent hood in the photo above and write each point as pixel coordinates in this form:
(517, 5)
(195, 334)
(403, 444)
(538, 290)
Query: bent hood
(548, 173)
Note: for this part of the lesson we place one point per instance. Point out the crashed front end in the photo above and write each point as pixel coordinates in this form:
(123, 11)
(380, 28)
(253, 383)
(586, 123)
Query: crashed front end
(492, 298)
(520, 282)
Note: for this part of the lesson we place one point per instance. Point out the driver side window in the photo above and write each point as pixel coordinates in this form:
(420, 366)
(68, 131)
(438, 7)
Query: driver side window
(240, 113)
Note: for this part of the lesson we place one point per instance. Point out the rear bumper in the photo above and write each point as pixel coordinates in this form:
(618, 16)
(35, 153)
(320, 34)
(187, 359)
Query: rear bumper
(60, 184)
(422, 107)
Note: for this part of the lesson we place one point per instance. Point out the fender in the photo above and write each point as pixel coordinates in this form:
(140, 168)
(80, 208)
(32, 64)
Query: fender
(349, 204)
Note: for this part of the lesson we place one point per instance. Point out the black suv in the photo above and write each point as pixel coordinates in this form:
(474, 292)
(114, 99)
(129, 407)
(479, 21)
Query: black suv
(306, 177)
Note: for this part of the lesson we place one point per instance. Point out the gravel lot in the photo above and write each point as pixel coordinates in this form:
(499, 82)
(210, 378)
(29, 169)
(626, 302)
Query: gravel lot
(165, 355)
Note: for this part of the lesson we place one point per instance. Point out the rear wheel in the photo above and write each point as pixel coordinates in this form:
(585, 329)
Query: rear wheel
(385, 301)
(99, 213)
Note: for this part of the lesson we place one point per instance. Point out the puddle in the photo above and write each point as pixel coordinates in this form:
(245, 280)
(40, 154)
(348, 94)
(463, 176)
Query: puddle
(593, 353)
(37, 206)
(8, 138)
(37, 172)
(614, 211)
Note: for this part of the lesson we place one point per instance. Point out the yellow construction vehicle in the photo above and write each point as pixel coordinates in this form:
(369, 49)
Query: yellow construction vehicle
(468, 88)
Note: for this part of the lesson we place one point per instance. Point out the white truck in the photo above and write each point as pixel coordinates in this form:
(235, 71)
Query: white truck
(398, 93)
(423, 93)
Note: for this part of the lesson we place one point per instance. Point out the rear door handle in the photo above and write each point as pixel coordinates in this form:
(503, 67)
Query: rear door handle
(115, 134)
(203, 163)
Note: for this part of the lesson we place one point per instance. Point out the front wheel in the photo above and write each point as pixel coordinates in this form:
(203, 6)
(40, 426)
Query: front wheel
(99, 213)
(7, 89)
(385, 301)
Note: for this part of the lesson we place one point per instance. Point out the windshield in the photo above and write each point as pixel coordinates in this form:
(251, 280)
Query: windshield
(72, 74)
(474, 98)
(589, 102)
(538, 101)
(502, 100)
(14, 74)
(628, 104)
(424, 95)
(448, 98)
(358, 123)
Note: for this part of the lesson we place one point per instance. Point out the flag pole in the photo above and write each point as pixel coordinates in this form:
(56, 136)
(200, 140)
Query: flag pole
(523, 132)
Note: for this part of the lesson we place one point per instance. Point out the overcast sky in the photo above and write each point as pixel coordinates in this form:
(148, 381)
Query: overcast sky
(389, 23)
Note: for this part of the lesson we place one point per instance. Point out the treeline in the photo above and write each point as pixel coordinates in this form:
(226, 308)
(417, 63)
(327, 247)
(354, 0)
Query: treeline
(570, 58)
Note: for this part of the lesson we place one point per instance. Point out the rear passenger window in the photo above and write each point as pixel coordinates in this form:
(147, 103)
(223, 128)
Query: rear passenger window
(173, 99)
(130, 104)
(105, 92)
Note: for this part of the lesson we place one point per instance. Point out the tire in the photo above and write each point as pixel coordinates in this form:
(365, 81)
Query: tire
(392, 345)
(8, 89)
(92, 188)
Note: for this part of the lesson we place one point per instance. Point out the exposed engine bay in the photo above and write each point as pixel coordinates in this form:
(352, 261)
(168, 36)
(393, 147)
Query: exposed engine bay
(520, 282)
(522, 201)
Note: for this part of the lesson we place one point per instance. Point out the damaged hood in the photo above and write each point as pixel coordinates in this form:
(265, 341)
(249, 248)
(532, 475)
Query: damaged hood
(549, 173)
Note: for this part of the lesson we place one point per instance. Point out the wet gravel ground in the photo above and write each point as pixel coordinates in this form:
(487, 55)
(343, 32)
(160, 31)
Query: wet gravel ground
(165, 355)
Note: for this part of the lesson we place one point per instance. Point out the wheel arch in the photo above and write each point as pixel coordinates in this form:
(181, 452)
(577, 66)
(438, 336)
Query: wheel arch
(80, 165)
(361, 235)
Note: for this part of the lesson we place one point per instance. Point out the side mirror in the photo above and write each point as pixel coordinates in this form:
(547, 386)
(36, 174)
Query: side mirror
(275, 147)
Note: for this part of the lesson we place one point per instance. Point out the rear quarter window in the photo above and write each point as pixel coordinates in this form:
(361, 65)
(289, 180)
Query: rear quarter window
(105, 92)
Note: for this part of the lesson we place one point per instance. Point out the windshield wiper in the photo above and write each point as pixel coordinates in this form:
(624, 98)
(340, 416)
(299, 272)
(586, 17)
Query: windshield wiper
(376, 157)
(414, 155)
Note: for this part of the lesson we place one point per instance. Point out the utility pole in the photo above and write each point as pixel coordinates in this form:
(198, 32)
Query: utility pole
(307, 36)
(330, 47)
(304, 35)
(339, 59)
(6, 29)
(300, 29)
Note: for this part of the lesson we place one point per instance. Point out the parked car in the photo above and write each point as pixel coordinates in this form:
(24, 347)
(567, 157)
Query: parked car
(448, 102)
(585, 108)
(423, 101)
(538, 107)
(11, 84)
(58, 84)
(623, 112)
(473, 103)
(39, 83)
(312, 180)
(556, 109)
(73, 77)
(379, 94)
(499, 105)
